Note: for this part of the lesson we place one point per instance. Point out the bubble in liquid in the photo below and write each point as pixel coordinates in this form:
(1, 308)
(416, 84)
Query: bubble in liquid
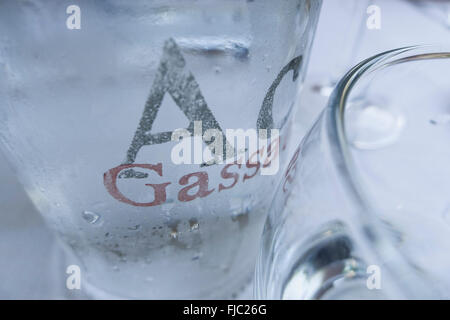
(372, 127)
(91, 217)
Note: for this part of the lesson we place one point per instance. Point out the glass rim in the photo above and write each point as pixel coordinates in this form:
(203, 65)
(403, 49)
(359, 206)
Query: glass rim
(337, 105)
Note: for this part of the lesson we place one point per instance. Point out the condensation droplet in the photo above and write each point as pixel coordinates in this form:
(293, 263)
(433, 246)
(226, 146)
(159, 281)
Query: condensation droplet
(217, 70)
(174, 234)
(193, 224)
(225, 268)
(91, 217)
(441, 119)
(240, 206)
(135, 228)
(323, 89)
(168, 205)
(197, 256)
(116, 268)
(372, 127)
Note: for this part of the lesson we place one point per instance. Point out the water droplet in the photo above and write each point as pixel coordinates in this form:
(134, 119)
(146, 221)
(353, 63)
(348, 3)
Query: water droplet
(91, 217)
(371, 126)
(197, 256)
(193, 224)
(116, 268)
(217, 70)
(136, 227)
(323, 89)
(149, 279)
(441, 119)
(168, 205)
(240, 206)
(225, 268)
(174, 234)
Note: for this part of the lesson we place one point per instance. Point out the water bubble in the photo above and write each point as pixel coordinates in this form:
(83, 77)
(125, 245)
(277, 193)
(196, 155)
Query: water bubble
(371, 126)
(440, 119)
(136, 227)
(91, 217)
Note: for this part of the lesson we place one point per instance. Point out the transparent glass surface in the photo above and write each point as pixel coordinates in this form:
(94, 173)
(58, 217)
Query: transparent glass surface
(363, 210)
(438, 10)
(89, 98)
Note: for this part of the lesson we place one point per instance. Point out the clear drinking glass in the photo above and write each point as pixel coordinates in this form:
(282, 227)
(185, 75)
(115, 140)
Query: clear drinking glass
(91, 95)
(344, 30)
(363, 211)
